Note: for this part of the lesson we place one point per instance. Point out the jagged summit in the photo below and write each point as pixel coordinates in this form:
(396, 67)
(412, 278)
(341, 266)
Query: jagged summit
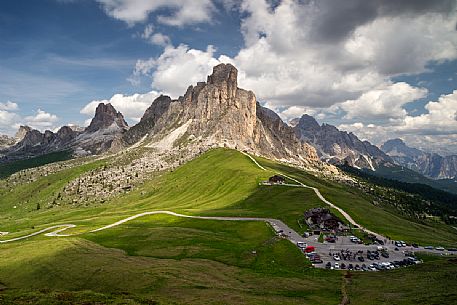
(218, 113)
(308, 122)
(223, 73)
(21, 132)
(105, 117)
(428, 164)
(338, 146)
(106, 126)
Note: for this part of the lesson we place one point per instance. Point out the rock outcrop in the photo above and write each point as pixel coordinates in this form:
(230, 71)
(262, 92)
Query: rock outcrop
(106, 117)
(337, 146)
(428, 164)
(218, 113)
(22, 131)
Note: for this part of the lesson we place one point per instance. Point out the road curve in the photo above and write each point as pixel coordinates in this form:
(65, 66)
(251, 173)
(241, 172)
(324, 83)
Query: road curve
(57, 229)
(322, 198)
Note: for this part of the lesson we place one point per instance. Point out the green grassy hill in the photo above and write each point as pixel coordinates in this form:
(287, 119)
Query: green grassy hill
(169, 260)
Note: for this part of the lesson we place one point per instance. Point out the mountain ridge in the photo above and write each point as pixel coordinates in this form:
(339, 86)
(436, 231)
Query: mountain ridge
(431, 165)
(336, 146)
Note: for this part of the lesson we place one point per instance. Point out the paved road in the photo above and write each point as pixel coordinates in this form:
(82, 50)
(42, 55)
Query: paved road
(322, 198)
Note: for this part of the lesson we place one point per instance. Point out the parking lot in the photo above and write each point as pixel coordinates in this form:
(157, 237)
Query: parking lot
(345, 252)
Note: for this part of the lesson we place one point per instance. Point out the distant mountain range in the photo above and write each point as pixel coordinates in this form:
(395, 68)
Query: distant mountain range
(218, 113)
(106, 126)
(337, 146)
(428, 164)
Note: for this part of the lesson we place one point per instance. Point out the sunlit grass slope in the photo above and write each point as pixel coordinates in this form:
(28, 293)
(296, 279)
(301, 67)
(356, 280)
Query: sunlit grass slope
(172, 261)
(431, 283)
(383, 220)
(221, 182)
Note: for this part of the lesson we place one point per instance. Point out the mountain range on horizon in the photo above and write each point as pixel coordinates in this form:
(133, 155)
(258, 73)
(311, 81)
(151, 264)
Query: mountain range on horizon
(218, 113)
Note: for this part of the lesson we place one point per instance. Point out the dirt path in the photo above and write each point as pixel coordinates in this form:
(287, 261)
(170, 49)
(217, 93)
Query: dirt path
(322, 198)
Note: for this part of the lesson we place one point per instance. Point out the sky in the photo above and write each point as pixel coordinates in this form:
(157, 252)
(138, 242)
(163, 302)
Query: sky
(381, 69)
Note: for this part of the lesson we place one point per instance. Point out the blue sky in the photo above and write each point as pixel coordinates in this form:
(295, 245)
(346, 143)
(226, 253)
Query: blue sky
(379, 69)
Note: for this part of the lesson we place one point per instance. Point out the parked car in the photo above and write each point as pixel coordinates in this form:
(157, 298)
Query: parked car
(328, 265)
(452, 249)
(415, 245)
(385, 254)
(336, 257)
(439, 248)
(310, 249)
(337, 266)
(301, 245)
(428, 247)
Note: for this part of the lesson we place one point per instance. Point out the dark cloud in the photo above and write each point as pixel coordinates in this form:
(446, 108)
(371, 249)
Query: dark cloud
(336, 19)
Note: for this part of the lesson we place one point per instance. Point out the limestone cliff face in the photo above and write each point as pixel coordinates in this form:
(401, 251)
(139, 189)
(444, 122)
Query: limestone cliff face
(219, 113)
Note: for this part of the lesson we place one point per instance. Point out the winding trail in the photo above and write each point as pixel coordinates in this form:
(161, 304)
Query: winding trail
(278, 225)
(322, 198)
(56, 230)
(293, 236)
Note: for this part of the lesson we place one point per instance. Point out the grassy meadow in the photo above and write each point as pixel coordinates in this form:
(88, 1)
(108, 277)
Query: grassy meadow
(162, 259)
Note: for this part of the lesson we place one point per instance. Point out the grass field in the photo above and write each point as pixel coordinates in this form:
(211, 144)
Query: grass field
(170, 260)
(378, 219)
(430, 283)
(219, 183)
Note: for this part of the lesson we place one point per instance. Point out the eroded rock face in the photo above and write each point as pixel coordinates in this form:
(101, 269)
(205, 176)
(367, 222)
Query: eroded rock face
(106, 117)
(22, 131)
(148, 121)
(431, 165)
(221, 114)
(337, 146)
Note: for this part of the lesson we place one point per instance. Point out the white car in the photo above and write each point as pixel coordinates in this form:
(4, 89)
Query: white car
(336, 257)
(301, 245)
(337, 266)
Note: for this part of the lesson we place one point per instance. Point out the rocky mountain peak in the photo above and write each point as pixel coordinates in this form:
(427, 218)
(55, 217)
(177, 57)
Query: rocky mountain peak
(105, 116)
(308, 122)
(22, 131)
(224, 73)
(428, 164)
(338, 146)
(397, 147)
(218, 113)
(395, 142)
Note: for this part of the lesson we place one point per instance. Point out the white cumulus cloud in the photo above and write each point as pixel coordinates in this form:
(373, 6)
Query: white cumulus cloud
(131, 106)
(41, 120)
(384, 102)
(9, 106)
(183, 11)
